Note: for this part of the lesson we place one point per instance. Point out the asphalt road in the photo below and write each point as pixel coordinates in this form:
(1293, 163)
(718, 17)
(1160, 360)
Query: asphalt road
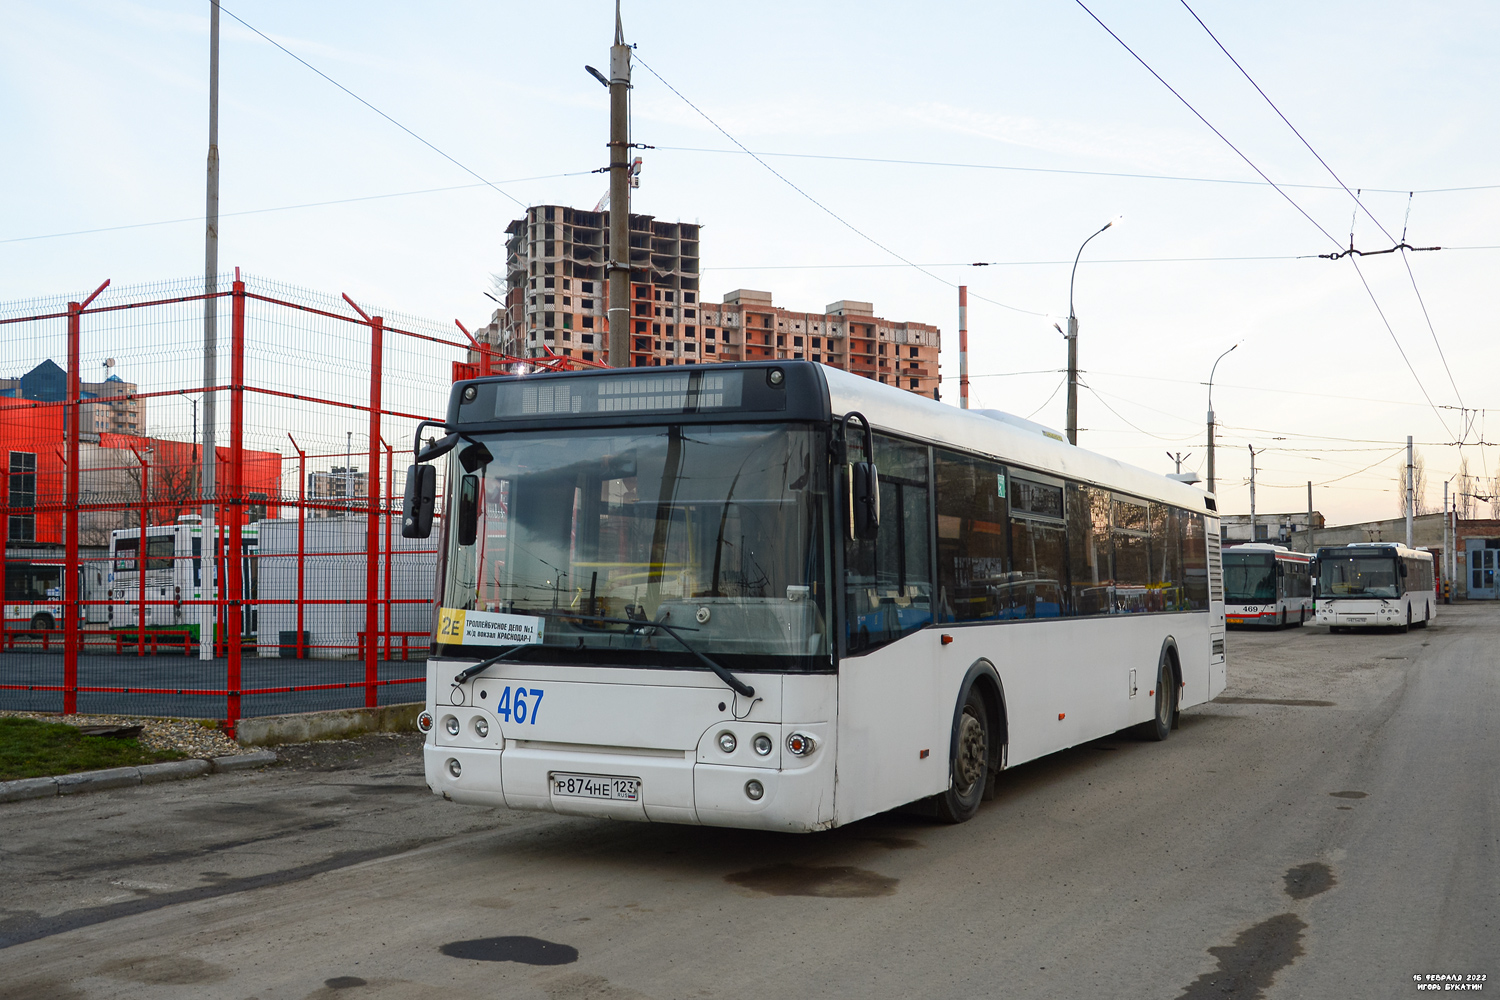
(1327, 829)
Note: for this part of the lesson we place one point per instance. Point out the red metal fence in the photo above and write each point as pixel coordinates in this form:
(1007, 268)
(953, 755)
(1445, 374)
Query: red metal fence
(284, 587)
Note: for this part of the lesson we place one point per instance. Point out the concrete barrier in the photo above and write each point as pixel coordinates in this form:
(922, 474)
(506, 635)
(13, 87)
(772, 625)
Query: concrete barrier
(304, 727)
(244, 761)
(28, 788)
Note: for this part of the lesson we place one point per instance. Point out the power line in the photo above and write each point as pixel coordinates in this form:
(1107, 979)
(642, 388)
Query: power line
(990, 263)
(1289, 199)
(838, 218)
(1060, 170)
(289, 208)
(372, 107)
(1402, 246)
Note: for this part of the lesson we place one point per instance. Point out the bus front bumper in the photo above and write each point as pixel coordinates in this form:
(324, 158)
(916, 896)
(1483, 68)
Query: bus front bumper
(1366, 617)
(668, 789)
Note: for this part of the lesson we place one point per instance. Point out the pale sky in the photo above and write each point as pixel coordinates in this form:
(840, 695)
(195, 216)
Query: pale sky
(103, 109)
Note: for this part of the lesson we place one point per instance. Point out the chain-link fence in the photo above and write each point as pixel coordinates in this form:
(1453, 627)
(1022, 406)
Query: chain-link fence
(201, 492)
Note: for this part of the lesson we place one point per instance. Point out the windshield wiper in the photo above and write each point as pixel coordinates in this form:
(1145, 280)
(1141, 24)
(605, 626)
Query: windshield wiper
(473, 669)
(721, 672)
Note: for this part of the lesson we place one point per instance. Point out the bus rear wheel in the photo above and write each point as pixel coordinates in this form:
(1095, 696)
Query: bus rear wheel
(1161, 724)
(40, 623)
(970, 766)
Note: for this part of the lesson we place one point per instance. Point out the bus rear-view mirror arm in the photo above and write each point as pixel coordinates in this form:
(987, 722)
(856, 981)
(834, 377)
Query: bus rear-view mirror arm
(864, 484)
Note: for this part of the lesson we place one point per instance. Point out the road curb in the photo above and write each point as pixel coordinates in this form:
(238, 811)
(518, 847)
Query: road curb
(126, 777)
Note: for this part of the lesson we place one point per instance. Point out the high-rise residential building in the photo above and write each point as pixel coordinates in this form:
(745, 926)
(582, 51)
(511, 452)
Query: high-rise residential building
(557, 285)
(119, 410)
(556, 298)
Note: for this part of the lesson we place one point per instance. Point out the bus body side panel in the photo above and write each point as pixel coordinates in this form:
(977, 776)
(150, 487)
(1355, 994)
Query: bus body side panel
(894, 704)
(898, 701)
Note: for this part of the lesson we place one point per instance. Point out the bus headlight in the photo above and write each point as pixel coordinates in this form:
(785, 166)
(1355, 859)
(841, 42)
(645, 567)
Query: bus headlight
(451, 724)
(754, 790)
(727, 742)
(454, 767)
(481, 727)
(762, 744)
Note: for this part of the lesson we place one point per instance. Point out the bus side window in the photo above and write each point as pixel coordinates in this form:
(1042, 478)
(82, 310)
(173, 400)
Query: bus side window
(1089, 549)
(198, 562)
(888, 580)
(972, 535)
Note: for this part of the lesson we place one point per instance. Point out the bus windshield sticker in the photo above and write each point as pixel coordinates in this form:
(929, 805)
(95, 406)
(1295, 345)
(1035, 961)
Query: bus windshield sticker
(482, 628)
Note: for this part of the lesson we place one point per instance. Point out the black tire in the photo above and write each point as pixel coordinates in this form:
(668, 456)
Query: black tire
(1407, 626)
(1283, 618)
(1165, 719)
(41, 622)
(1301, 617)
(1427, 617)
(969, 767)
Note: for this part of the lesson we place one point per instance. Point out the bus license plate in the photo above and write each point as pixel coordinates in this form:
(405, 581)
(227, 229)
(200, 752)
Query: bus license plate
(596, 786)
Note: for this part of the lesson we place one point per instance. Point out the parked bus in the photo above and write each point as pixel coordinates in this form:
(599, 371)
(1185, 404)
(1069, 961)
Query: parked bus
(174, 577)
(1267, 585)
(718, 595)
(1373, 585)
(34, 598)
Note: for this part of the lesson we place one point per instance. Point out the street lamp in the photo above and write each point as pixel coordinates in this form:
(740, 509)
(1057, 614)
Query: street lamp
(1072, 336)
(1211, 418)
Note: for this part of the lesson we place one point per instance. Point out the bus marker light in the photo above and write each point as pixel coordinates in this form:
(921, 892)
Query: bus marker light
(481, 727)
(946, 639)
(454, 767)
(424, 722)
(801, 744)
(451, 724)
(727, 742)
(754, 790)
(1061, 716)
(763, 744)
(923, 754)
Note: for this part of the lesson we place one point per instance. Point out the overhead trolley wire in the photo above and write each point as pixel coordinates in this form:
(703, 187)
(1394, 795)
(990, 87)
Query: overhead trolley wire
(372, 107)
(1289, 199)
(834, 215)
(1402, 245)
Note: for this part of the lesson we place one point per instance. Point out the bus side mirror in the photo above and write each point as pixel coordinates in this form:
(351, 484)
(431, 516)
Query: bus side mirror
(864, 501)
(468, 510)
(421, 496)
(1403, 569)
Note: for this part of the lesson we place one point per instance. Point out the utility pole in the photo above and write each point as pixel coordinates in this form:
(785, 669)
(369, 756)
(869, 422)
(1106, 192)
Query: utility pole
(210, 547)
(619, 198)
(1252, 491)
(963, 347)
(1310, 546)
(1072, 336)
(1410, 493)
(1211, 481)
(1179, 458)
(1447, 548)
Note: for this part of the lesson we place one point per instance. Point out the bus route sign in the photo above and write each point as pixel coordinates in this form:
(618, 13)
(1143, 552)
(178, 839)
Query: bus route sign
(483, 628)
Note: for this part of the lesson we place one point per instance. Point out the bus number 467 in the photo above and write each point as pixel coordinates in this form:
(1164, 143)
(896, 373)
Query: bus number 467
(518, 706)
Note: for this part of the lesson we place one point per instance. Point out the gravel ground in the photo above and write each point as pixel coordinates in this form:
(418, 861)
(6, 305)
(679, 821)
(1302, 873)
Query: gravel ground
(186, 736)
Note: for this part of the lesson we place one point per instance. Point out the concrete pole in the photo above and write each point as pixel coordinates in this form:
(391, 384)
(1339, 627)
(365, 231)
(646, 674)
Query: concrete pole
(619, 198)
(209, 547)
(1252, 491)
(1410, 493)
(1073, 379)
(963, 347)
(1310, 547)
(1447, 545)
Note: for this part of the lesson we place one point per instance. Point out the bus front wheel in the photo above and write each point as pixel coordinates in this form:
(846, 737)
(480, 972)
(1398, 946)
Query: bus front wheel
(970, 767)
(1160, 726)
(41, 623)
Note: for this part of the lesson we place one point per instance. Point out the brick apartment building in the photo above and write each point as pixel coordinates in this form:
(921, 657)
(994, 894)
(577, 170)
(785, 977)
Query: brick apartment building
(556, 298)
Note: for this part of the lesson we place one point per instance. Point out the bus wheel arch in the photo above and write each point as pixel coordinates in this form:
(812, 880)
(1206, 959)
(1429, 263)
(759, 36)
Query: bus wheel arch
(981, 688)
(1166, 697)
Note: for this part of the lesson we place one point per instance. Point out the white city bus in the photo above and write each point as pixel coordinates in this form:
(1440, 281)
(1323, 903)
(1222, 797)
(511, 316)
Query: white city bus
(174, 576)
(1374, 585)
(660, 599)
(1268, 585)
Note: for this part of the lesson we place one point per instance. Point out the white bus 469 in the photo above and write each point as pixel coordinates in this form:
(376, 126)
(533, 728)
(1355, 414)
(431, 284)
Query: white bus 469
(721, 595)
(1267, 585)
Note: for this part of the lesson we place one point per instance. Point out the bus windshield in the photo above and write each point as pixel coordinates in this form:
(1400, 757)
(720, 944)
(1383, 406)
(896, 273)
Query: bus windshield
(715, 530)
(1249, 579)
(1358, 576)
(32, 582)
